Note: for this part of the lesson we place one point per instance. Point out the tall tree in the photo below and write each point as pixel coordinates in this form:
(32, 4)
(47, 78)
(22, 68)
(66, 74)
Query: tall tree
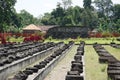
(26, 18)
(87, 4)
(68, 18)
(66, 3)
(89, 18)
(46, 19)
(58, 14)
(76, 15)
(104, 7)
(6, 12)
(116, 9)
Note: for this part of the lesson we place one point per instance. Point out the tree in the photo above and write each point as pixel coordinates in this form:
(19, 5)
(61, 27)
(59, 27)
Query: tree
(117, 26)
(116, 9)
(87, 4)
(6, 12)
(37, 21)
(89, 18)
(77, 15)
(26, 18)
(68, 17)
(66, 3)
(67, 21)
(46, 19)
(104, 7)
(103, 25)
(72, 16)
(58, 14)
(16, 21)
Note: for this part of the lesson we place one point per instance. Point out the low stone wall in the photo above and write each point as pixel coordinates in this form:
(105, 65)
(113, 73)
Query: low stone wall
(41, 74)
(10, 69)
(67, 32)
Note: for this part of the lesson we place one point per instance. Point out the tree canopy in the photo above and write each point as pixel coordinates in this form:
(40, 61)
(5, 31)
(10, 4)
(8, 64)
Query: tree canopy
(7, 12)
(104, 15)
(87, 4)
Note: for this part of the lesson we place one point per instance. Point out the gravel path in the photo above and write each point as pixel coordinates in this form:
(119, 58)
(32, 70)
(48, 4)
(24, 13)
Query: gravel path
(60, 71)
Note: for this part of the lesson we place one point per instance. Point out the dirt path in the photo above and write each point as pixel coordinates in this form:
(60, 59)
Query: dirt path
(60, 71)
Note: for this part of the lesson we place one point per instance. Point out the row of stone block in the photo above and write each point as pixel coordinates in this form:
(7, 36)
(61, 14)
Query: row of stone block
(16, 52)
(23, 75)
(104, 55)
(112, 44)
(113, 69)
(76, 71)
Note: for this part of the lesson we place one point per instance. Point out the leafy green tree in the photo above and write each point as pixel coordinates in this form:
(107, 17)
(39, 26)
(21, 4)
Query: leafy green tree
(67, 21)
(58, 14)
(89, 18)
(26, 18)
(66, 3)
(77, 11)
(72, 16)
(104, 7)
(46, 19)
(68, 18)
(16, 20)
(116, 9)
(103, 25)
(87, 4)
(37, 21)
(6, 12)
(117, 26)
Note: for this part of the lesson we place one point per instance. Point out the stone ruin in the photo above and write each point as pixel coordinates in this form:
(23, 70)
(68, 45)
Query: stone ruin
(67, 32)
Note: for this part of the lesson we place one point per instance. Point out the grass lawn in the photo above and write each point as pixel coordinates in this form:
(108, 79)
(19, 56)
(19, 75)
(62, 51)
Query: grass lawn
(100, 40)
(87, 40)
(19, 39)
(57, 40)
(77, 41)
(114, 51)
(93, 69)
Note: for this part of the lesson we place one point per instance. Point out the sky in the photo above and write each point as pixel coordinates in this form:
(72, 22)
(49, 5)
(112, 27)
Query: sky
(39, 7)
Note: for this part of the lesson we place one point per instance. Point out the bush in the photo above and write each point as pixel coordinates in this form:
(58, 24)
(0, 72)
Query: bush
(106, 34)
(98, 35)
(115, 34)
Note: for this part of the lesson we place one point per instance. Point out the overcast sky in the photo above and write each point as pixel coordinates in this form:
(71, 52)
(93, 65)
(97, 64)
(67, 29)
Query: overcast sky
(39, 7)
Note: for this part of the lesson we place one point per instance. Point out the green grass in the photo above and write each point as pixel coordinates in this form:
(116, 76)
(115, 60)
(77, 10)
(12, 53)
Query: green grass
(57, 40)
(93, 69)
(100, 40)
(87, 40)
(12, 39)
(114, 51)
(77, 41)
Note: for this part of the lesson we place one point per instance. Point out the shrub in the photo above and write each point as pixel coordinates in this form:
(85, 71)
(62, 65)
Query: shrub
(98, 35)
(115, 34)
(106, 34)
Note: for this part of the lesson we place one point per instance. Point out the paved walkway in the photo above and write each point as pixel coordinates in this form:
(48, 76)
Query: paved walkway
(60, 71)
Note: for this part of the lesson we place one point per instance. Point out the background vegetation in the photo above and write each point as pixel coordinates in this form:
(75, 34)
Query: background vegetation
(103, 16)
